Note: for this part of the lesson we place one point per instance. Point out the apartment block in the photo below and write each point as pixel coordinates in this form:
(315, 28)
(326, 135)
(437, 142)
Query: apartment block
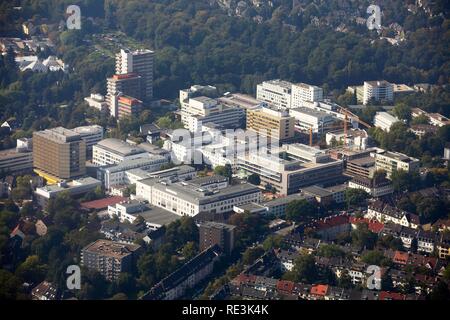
(174, 286)
(139, 62)
(128, 106)
(110, 258)
(129, 84)
(221, 234)
(59, 153)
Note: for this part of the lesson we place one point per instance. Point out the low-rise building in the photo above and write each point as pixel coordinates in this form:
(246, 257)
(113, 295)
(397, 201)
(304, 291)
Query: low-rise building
(16, 161)
(76, 188)
(318, 122)
(384, 213)
(384, 121)
(298, 166)
(376, 187)
(153, 217)
(97, 101)
(390, 161)
(44, 291)
(91, 136)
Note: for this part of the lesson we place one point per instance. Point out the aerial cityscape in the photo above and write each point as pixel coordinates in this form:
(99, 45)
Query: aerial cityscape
(224, 150)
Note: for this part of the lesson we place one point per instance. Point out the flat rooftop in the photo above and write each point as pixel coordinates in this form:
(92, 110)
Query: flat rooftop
(88, 129)
(59, 134)
(311, 112)
(119, 147)
(70, 185)
(12, 153)
(398, 156)
(111, 249)
(190, 192)
(286, 200)
(158, 216)
(317, 191)
(363, 162)
(278, 82)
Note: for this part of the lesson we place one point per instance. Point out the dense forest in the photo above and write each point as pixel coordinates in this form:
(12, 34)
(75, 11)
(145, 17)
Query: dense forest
(197, 42)
(204, 42)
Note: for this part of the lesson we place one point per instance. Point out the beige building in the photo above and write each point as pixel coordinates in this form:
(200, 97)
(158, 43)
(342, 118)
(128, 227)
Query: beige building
(59, 154)
(274, 124)
(391, 161)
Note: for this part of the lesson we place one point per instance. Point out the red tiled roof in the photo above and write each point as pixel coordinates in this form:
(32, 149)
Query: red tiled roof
(319, 290)
(243, 278)
(102, 203)
(285, 286)
(401, 257)
(331, 222)
(373, 225)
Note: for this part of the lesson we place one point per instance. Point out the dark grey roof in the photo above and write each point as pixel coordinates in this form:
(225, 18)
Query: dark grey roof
(185, 191)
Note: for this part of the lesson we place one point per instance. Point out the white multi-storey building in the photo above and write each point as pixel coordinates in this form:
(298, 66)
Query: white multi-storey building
(121, 174)
(384, 121)
(97, 101)
(202, 110)
(378, 91)
(302, 92)
(91, 135)
(114, 151)
(276, 92)
(390, 161)
(309, 119)
(190, 198)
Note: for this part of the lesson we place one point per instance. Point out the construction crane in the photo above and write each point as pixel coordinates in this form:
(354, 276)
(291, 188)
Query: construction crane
(349, 116)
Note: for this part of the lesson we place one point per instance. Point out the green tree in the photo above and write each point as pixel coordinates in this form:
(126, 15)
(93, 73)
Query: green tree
(254, 179)
(363, 237)
(402, 111)
(225, 171)
(305, 270)
(330, 251)
(300, 210)
(189, 250)
(355, 197)
(251, 255)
